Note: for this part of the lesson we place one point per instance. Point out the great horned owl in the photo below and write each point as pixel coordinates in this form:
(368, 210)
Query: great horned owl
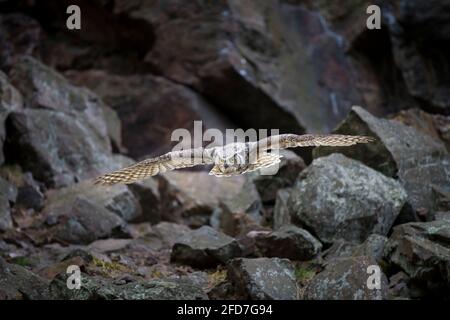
(231, 159)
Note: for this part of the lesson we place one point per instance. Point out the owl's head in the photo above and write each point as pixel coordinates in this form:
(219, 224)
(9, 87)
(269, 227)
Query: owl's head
(228, 166)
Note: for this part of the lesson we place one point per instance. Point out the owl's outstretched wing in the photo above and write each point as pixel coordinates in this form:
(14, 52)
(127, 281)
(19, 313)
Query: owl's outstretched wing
(284, 141)
(151, 167)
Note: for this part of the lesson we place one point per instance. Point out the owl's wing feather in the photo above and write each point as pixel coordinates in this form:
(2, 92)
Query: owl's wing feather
(151, 167)
(284, 141)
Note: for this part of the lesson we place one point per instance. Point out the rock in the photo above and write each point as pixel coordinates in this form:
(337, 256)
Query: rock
(241, 213)
(29, 195)
(19, 35)
(80, 150)
(398, 285)
(288, 242)
(346, 279)
(421, 250)
(10, 100)
(372, 247)
(191, 197)
(147, 193)
(435, 125)
(84, 222)
(102, 289)
(340, 198)
(167, 107)
(442, 216)
(417, 27)
(44, 88)
(17, 283)
(263, 278)
(58, 160)
(109, 245)
(8, 193)
(204, 248)
(268, 185)
(281, 214)
(117, 199)
(247, 200)
(251, 60)
(400, 151)
(170, 233)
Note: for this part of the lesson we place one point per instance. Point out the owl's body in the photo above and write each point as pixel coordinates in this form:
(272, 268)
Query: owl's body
(231, 159)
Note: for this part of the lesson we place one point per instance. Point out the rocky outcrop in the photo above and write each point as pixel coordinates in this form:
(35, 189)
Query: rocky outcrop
(204, 248)
(165, 108)
(80, 149)
(340, 198)
(263, 278)
(251, 58)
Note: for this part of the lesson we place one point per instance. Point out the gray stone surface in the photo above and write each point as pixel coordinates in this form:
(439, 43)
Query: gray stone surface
(263, 278)
(422, 251)
(341, 198)
(95, 288)
(419, 161)
(288, 242)
(205, 247)
(346, 279)
(17, 283)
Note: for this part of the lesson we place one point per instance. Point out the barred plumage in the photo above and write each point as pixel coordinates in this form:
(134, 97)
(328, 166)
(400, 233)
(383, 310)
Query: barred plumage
(232, 159)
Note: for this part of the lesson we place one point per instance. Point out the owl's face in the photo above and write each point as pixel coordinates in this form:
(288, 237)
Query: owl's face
(230, 160)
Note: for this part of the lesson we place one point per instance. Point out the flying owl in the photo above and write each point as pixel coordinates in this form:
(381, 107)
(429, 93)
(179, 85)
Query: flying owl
(231, 159)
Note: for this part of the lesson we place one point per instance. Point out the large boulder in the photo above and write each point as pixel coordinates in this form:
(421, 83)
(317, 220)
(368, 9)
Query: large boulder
(340, 198)
(421, 250)
(417, 159)
(263, 278)
(61, 136)
(44, 88)
(347, 279)
(204, 248)
(149, 117)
